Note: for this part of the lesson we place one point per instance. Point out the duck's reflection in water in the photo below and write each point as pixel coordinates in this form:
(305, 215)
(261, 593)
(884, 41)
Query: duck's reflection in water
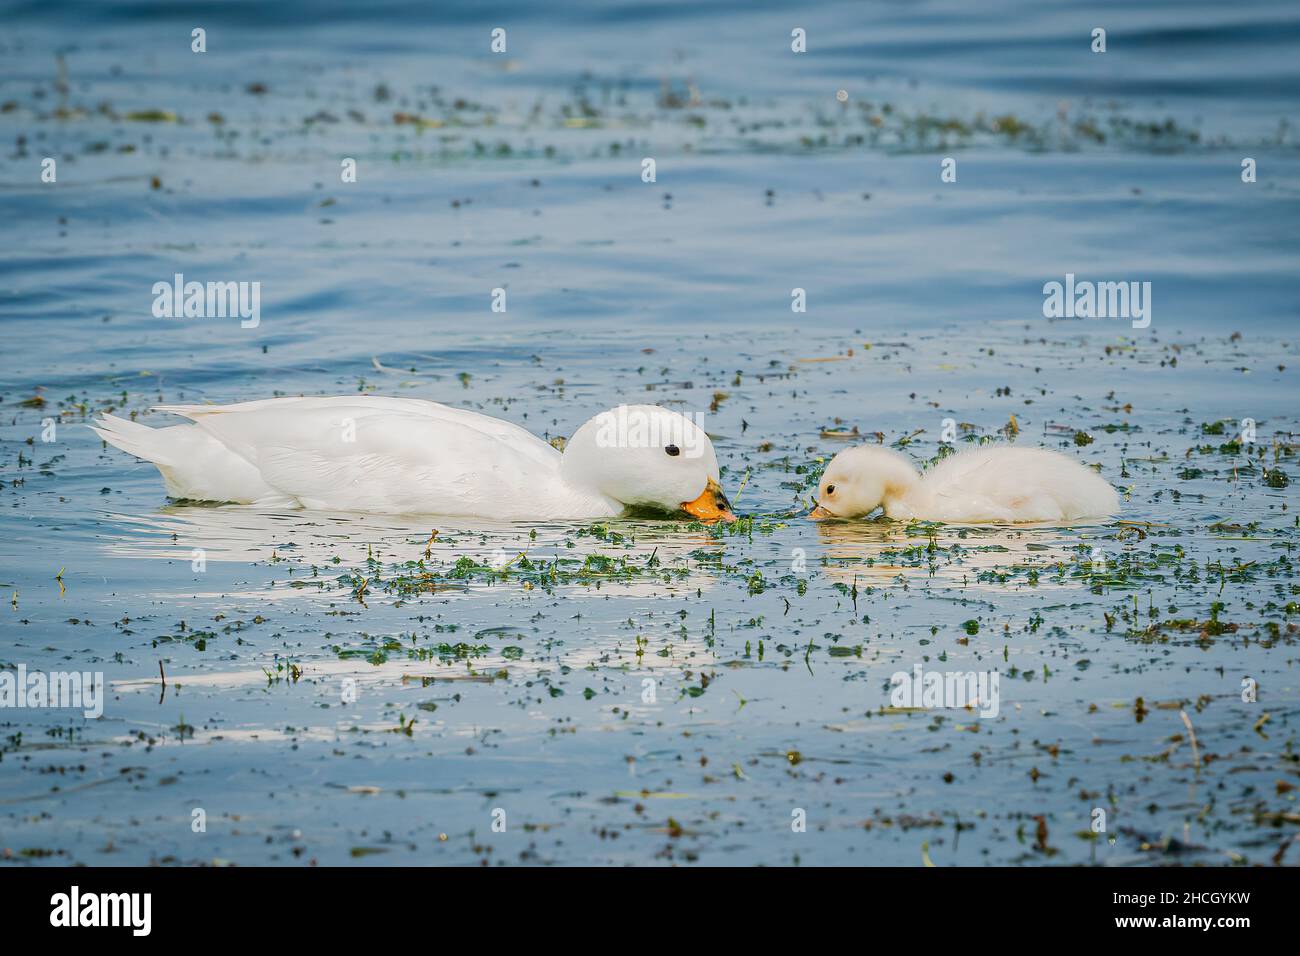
(643, 559)
(882, 552)
(638, 557)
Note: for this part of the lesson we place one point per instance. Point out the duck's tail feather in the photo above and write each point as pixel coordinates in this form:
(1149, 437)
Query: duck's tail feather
(193, 463)
(134, 438)
(192, 412)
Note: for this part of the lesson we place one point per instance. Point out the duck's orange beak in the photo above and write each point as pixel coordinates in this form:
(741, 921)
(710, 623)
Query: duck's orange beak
(819, 514)
(711, 505)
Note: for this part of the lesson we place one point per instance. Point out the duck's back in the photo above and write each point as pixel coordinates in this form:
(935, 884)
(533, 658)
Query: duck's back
(1007, 483)
(249, 420)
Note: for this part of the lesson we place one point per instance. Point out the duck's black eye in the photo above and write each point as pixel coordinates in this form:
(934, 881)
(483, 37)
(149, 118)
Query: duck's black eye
(830, 489)
(672, 450)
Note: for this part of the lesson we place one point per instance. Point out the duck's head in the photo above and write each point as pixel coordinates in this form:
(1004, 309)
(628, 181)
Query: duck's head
(860, 480)
(648, 457)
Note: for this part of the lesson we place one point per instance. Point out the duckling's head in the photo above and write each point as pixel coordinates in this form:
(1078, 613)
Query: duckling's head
(860, 480)
(648, 457)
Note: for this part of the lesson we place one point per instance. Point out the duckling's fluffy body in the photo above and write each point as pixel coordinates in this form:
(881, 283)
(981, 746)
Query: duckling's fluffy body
(1000, 483)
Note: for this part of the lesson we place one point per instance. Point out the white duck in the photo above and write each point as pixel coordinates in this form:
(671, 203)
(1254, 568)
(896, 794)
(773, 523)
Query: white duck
(990, 484)
(407, 456)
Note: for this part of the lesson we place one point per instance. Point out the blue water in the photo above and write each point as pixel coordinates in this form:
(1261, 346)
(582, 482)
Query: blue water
(522, 171)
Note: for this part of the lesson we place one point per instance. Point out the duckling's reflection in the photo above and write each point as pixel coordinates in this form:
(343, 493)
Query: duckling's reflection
(659, 553)
(883, 552)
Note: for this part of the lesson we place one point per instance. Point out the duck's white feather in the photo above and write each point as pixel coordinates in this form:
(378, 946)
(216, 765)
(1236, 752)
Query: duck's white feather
(358, 453)
(358, 407)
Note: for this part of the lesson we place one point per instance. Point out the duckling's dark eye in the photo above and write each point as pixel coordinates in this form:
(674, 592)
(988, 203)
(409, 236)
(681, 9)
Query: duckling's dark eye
(672, 450)
(830, 489)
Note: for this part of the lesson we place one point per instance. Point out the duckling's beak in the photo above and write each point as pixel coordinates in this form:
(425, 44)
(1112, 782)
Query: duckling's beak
(819, 514)
(712, 505)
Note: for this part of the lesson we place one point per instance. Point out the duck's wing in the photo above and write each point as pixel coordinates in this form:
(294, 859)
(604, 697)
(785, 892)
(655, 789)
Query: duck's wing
(359, 407)
(957, 505)
(387, 455)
